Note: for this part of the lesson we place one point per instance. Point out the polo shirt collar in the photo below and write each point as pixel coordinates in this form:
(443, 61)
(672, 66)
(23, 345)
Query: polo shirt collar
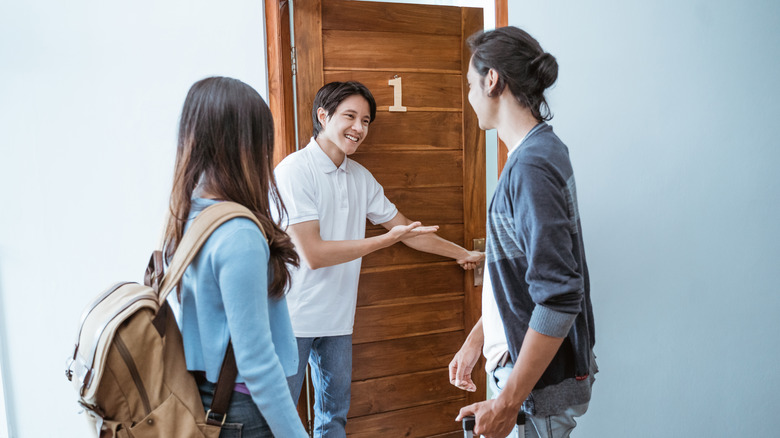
(322, 160)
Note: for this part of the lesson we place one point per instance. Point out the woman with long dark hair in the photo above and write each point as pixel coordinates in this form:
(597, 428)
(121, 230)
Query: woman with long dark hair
(234, 289)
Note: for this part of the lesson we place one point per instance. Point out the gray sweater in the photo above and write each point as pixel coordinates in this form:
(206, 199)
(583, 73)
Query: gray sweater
(537, 264)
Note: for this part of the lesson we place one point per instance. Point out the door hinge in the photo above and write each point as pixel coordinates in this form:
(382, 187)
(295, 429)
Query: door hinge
(294, 61)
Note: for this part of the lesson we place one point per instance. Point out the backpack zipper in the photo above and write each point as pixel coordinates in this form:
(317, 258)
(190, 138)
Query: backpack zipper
(128, 358)
(88, 362)
(91, 307)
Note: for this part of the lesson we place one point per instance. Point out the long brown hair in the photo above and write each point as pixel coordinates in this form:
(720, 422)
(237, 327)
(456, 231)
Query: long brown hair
(226, 141)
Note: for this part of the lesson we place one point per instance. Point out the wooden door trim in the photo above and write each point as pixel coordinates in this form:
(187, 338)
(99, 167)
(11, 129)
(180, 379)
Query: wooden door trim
(280, 86)
(502, 19)
(282, 105)
(474, 195)
(308, 52)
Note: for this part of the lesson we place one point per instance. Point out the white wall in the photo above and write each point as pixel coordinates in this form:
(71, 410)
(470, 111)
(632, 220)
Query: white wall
(90, 95)
(670, 111)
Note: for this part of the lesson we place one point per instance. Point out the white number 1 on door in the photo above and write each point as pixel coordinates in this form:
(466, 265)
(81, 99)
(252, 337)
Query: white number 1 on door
(397, 93)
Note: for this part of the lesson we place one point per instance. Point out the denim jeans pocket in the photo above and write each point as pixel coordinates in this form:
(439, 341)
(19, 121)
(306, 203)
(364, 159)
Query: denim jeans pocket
(231, 430)
(500, 375)
(495, 380)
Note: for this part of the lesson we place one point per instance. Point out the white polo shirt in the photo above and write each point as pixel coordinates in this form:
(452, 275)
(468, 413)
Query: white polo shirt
(322, 302)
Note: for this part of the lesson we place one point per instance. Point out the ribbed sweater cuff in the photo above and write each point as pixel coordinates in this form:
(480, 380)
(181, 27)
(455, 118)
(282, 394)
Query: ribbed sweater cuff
(551, 323)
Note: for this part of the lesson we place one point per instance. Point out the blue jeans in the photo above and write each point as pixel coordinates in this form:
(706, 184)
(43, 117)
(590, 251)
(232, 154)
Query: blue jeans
(244, 420)
(330, 359)
(552, 426)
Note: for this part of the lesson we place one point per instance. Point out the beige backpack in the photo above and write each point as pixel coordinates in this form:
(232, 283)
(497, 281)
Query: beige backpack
(128, 365)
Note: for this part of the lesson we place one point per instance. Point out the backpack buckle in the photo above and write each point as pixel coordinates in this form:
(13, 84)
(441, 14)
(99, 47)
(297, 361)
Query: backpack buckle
(69, 370)
(214, 421)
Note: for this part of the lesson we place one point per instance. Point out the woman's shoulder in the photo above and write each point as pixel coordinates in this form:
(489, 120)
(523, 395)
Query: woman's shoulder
(240, 228)
(236, 236)
(238, 231)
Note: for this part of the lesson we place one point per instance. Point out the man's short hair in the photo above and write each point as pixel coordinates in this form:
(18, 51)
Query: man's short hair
(330, 96)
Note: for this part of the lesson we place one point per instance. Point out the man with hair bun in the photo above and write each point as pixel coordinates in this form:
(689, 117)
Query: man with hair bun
(536, 331)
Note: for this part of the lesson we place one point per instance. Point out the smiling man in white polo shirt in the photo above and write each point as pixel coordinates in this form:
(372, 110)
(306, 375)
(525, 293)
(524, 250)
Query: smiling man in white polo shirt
(328, 198)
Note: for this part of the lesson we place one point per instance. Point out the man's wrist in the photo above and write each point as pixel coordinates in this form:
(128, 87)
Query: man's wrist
(474, 341)
(386, 240)
(476, 337)
(506, 405)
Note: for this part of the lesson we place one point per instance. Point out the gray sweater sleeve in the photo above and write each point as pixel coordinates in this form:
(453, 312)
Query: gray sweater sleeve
(543, 220)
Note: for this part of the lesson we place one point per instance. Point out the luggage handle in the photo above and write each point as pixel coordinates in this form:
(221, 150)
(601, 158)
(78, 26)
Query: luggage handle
(469, 421)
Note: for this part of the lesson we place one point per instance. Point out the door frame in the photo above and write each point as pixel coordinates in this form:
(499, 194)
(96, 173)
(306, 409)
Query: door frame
(280, 83)
(502, 19)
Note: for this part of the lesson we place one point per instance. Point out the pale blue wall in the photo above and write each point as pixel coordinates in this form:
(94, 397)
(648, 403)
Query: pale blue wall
(669, 109)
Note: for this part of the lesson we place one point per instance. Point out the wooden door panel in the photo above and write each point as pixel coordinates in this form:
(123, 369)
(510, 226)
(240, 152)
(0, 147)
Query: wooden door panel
(390, 51)
(397, 321)
(421, 91)
(407, 283)
(474, 197)
(419, 421)
(407, 169)
(414, 309)
(408, 355)
(456, 434)
(415, 130)
(402, 254)
(431, 206)
(401, 391)
(400, 18)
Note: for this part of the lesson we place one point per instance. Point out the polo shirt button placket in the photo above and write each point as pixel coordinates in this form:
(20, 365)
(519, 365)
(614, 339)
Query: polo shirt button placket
(343, 194)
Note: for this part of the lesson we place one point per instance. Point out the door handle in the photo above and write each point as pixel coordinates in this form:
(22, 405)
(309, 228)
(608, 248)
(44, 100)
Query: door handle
(479, 271)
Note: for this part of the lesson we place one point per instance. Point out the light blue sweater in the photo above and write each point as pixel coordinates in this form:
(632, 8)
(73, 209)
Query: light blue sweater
(225, 296)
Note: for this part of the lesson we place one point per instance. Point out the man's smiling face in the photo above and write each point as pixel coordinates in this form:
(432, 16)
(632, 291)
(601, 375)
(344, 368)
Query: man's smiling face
(347, 127)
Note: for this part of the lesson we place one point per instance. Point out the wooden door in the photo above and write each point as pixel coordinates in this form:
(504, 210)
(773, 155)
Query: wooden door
(414, 309)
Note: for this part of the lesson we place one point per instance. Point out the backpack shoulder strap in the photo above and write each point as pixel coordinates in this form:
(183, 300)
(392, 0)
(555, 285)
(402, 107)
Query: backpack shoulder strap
(201, 228)
(199, 231)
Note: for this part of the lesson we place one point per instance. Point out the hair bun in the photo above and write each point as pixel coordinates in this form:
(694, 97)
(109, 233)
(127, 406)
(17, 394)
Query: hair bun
(545, 68)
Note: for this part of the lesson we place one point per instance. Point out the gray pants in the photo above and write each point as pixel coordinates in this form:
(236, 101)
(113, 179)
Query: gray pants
(552, 426)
